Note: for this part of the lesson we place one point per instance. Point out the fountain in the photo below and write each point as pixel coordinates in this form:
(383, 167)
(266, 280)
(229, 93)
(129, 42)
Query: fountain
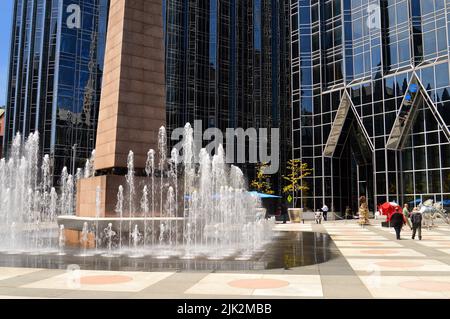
(131, 191)
(145, 210)
(136, 238)
(97, 216)
(119, 211)
(150, 171)
(84, 240)
(109, 235)
(61, 240)
(193, 211)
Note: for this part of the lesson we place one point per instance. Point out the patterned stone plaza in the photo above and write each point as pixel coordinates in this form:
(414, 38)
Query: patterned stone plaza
(368, 263)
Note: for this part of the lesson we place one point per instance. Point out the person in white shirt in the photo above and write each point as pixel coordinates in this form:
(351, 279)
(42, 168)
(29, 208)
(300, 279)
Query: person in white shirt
(318, 216)
(325, 211)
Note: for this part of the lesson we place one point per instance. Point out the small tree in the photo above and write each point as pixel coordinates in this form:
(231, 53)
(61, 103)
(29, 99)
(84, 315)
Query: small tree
(262, 183)
(297, 171)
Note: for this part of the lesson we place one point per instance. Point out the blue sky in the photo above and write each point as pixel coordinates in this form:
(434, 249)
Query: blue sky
(6, 8)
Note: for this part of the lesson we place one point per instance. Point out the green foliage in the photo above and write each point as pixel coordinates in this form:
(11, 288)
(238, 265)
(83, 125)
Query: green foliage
(262, 182)
(297, 171)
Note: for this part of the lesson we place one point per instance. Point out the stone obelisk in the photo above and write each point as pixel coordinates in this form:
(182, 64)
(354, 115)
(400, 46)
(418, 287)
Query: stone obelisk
(132, 105)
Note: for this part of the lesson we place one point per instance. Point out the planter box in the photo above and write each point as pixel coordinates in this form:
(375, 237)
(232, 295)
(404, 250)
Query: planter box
(295, 214)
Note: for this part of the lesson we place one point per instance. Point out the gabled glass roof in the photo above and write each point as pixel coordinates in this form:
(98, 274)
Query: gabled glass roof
(414, 96)
(346, 117)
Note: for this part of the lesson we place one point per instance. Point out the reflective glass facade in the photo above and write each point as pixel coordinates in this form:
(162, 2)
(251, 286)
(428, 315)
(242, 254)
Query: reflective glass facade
(371, 100)
(56, 67)
(227, 64)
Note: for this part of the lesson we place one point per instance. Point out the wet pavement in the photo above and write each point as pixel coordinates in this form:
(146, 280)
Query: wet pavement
(301, 262)
(287, 250)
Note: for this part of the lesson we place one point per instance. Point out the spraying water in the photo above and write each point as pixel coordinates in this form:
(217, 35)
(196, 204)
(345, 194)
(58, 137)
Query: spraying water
(109, 235)
(162, 145)
(98, 193)
(136, 238)
(61, 240)
(119, 210)
(150, 171)
(131, 190)
(145, 210)
(193, 210)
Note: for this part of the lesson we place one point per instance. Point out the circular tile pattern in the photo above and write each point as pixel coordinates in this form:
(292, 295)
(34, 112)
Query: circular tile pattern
(258, 283)
(379, 252)
(105, 280)
(399, 264)
(426, 285)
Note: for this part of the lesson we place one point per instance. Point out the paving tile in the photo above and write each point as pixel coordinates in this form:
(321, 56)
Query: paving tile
(78, 294)
(435, 244)
(299, 286)
(377, 252)
(354, 288)
(101, 280)
(366, 243)
(218, 284)
(10, 272)
(20, 297)
(32, 293)
(406, 287)
(384, 264)
(357, 238)
(258, 285)
(368, 262)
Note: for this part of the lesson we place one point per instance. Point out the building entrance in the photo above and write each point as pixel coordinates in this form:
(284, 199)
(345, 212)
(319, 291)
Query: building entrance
(352, 163)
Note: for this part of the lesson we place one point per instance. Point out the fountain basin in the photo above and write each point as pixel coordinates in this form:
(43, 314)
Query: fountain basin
(286, 251)
(76, 222)
(73, 225)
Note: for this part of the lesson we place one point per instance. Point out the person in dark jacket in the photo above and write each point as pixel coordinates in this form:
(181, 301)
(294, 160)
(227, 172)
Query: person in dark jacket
(416, 221)
(397, 221)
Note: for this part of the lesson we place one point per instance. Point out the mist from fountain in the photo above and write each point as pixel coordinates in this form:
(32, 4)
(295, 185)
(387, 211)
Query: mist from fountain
(136, 239)
(98, 194)
(84, 240)
(194, 210)
(89, 166)
(131, 191)
(61, 240)
(119, 211)
(109, 236)
(28, 202)
(145, 209)
(150, 171)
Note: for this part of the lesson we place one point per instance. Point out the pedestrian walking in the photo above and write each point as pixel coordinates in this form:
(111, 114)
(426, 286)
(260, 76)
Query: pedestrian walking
(416, 220)
(397, 221)
(406, 213)
(318, 216)
(325, 211)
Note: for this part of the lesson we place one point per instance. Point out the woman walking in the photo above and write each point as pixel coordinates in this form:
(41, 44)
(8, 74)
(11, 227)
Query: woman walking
(397, 221)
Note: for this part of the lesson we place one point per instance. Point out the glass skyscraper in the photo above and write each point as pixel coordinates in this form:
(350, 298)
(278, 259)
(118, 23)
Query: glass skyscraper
(371, 100)
(227, 64)
(56, 65)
